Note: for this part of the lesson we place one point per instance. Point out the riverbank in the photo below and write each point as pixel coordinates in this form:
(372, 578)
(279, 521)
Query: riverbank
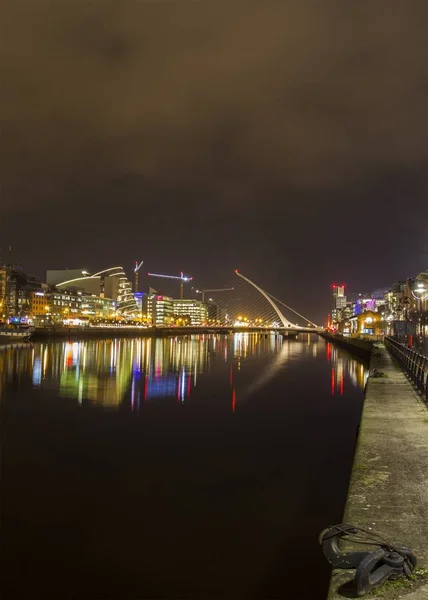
(388, 491)
(360, 348)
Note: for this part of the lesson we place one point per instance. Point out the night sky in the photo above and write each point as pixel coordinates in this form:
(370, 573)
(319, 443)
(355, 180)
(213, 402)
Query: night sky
(286, 139)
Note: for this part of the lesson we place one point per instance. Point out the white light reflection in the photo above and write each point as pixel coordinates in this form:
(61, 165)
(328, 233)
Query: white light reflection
(37, 371)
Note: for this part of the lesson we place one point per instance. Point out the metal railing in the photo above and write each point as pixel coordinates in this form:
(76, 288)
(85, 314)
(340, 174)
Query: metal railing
(415, 364)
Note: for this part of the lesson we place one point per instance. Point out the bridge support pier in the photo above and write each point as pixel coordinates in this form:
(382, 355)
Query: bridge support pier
(289, 335)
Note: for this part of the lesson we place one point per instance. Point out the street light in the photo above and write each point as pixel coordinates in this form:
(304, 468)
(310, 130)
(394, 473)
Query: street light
(420, 289)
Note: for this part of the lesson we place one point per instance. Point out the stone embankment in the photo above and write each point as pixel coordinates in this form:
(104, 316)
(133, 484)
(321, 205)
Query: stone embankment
(388, 491)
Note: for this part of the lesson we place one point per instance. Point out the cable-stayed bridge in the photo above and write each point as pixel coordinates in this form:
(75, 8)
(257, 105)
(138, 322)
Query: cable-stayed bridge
(245, 306)
(284, 322)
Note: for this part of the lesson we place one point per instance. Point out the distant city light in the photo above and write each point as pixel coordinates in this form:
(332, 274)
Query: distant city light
(240, 323)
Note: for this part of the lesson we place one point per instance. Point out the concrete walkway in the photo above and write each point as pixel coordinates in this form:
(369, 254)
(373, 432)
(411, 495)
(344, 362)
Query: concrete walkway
(389, 485)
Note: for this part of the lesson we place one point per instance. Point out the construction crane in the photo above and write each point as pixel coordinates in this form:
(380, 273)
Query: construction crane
(183, 279)
(213, 290)
(136, 270)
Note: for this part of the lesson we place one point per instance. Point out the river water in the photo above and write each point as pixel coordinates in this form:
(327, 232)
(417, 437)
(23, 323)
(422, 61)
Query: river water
(188, 467)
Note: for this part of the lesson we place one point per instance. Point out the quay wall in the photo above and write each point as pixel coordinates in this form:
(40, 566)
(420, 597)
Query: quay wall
(388, 491)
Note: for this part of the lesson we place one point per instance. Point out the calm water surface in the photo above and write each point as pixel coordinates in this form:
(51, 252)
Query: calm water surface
(188, 467)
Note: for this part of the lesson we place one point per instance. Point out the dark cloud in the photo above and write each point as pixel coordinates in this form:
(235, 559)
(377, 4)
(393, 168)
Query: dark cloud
(267, 123)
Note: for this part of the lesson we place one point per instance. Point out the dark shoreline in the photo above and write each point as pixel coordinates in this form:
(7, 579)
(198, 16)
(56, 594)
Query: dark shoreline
(360, 348)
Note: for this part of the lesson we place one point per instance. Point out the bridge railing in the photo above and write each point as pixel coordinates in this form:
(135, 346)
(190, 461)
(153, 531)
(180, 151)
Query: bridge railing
(415, 364)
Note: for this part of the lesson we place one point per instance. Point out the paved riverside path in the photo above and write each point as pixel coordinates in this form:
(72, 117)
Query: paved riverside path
(389, 484)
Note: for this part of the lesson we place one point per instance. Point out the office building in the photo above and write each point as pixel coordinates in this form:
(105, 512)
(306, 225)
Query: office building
(3, 280)
(141, 300)
(194, 309)
(97, 307)
(160, 309)
(339, 303)
(55, 305)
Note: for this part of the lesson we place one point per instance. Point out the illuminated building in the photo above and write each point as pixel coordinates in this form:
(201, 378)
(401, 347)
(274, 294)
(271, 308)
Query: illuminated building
(65, 303)
(111, 283)
(347, 310)
(367, 323)
(345, 307)
(195, 309)
(126, 303)
(3, 279)
(339, 303)
(95, 306)
(141, 300)
(39, 304)
(160, 309)
(393, 299)
(55, 305)
(58, 305)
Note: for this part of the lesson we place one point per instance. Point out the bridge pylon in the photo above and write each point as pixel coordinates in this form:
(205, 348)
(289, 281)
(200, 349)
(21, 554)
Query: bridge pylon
(289, 329)
(285, 322)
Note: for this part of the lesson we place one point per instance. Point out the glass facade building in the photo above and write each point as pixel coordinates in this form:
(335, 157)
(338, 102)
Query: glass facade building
(160, 309)
(194, 309)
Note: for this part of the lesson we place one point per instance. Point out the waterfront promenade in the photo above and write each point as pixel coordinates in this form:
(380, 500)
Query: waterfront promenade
(389, 484)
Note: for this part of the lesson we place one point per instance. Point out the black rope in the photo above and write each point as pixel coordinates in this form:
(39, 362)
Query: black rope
(373, 539)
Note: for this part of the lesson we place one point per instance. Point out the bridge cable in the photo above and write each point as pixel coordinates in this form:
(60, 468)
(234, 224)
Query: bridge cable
(247, 302)
(292, 309)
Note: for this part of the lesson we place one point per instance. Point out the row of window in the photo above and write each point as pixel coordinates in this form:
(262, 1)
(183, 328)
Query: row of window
(59, 303)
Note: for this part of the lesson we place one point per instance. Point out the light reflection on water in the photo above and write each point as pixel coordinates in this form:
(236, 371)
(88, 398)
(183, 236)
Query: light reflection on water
(136, 371)
(210, 462)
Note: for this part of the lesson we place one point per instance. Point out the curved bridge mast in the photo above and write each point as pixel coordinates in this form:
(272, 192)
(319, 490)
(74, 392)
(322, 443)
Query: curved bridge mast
(285, 322)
